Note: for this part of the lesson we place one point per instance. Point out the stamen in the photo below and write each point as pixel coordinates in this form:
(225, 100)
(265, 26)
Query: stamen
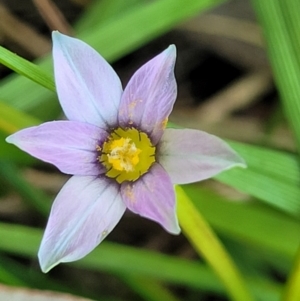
(123, 154)
(127, 154)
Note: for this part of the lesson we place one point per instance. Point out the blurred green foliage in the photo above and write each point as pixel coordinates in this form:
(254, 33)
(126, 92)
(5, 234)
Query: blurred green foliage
(261, 234)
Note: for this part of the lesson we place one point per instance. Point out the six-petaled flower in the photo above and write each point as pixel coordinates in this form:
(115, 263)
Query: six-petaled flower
(115, 145)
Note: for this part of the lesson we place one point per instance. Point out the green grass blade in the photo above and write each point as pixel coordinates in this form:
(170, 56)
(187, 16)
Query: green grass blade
(281, 165)
(272, 191)
(290, 11)
(271, 176)
(26, 68)
(282, 39)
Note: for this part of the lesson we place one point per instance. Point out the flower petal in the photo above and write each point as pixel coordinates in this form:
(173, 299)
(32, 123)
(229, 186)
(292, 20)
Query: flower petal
(69, 145)
(83, 213)
(88, 88)
(153, 197)
(191, 155)
(150, 94)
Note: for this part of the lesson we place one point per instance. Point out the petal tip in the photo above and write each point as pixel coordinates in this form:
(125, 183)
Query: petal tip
(56, 34)
(171, 51)
(175, 231)
(47, 263)
(240, 162)
(237, 161)
(172, 48)
(14, 139)
(58, 38)
(47, 257)
(9, 139)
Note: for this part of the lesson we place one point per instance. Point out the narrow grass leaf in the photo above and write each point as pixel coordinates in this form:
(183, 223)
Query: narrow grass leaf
(26, 68)
(279, 164)
(271, 176)
(282, 39)
(281, 195)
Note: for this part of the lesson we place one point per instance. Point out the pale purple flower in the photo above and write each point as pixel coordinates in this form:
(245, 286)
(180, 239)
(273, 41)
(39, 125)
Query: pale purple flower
(117, 148)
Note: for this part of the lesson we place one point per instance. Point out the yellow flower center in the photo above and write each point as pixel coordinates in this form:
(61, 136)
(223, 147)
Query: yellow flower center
(127, 154)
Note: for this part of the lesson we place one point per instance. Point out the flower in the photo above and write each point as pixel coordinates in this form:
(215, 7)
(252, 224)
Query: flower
(115, 145)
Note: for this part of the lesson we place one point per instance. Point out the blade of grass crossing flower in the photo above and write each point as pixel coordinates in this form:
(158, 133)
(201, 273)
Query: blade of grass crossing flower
(207, 245)
(283, 53)
(292, 289)
(26, 68)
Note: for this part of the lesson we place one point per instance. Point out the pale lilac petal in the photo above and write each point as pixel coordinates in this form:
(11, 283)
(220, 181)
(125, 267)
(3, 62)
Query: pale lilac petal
(153, 197)
(69, 145)
(190, 155)
(150, 94)
(88, 88)
(83, 213)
